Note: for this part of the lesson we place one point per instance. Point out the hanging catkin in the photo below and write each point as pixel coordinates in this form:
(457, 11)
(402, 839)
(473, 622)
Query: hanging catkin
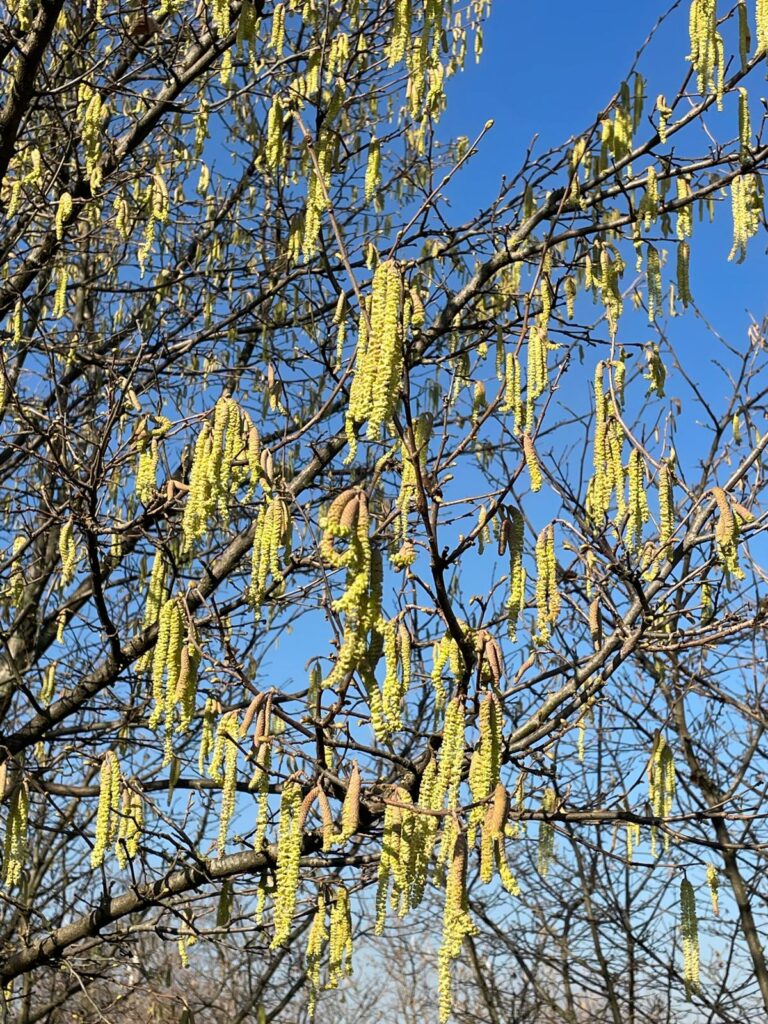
(289, 844)
(689, 927)
(375, 386)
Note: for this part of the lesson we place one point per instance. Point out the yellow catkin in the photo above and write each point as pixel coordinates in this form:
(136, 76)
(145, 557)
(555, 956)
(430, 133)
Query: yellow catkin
(130, 827)
(289, 845)
(661, 785)
(513, 536)
(713, 882)
(350, 809)
(317, 940)
(107, 815)
(373, 171)
(532, 463)
(547, 593)
(15, 845)
(727, 535)
(340, 939)
(375, 386)
(666, 509)
(272, 534)
(702, 26)
(689, 927)
(230, 730)
(457, 924)
(637, 502)
(67, 553)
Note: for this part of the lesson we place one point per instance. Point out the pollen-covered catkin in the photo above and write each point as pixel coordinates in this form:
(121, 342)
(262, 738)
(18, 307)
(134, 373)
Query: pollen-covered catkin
(15, 845)
(373, 171)
(547, 594)
(316, 943)
(375, 386)
(229, 730)
(661, 784)
(273, 531)
(340, 938)
(68, 553)
(457, 923)
(532, 462)
(350, 808)
(727, 535)
(289, 844)
(108, 810)
(130, 827)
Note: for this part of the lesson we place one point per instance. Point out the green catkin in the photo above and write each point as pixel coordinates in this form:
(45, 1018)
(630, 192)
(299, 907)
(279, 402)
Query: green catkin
(273, 147)
(130, 827)
(63, 211)
(633, 839)
(230, 731)
(340, 939)
(289, 845)
(685, 211)
(67, 553)
(546, 834)
(452, 752)
(373, 171)
(689, 927)
(277, 36)
(146, 472)
(273, 532)
(713, 882)
(653, 277)
(532, 463)
(637, 503)
(702, 27)
(15, 845)
(48, 689)
(514, 535)
(666, 510)
(375, 386)
(156, 597)
(457, 923)
(745, 125)
(547, 594)
(108, 809)
(683, 274)
(316, 943)
(761, 18)
(661, 785)
(747, 208)
(207, 740)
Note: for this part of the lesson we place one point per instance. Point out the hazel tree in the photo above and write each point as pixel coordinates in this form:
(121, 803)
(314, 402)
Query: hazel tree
(354, 559)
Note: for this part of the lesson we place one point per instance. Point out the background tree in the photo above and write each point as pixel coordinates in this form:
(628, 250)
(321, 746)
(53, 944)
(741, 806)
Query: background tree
(361, 564)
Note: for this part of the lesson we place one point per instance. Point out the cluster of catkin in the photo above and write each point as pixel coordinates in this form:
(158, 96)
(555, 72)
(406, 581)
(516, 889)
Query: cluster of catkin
(227, 456)
(15, 845)
(119, 817)
(175, 664)
(294, 811)
(331, 930)
(384, 323)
